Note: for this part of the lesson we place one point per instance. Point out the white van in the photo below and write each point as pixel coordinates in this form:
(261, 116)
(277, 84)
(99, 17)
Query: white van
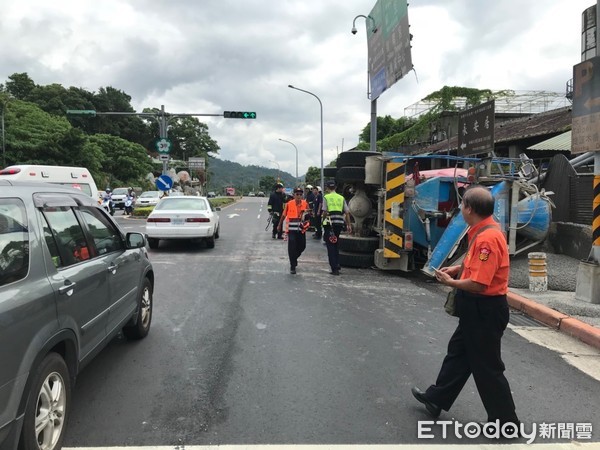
(75, 177)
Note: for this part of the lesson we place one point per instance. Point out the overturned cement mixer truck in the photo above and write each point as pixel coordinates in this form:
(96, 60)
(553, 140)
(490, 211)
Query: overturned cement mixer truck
(406, 209)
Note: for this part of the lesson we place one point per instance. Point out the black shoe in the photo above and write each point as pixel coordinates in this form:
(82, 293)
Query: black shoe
(316, 237)
(335, 272)
(433, 409)
(274, 237)
(279, 237)
(293, 270)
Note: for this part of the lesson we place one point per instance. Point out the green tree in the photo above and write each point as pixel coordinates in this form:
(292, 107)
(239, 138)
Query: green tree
(190, 137)
(267, 183)
(313, 176)
(123, 162)
(20, 86)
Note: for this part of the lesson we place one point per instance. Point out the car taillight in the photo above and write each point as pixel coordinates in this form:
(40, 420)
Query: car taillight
(158, 219)
(197, 219)
(9, 171)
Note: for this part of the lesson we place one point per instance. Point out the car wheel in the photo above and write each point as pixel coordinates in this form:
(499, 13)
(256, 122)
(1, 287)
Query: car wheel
(217, 233)
(144, 314)
(47, 410)
(153, 243)
(210, 242)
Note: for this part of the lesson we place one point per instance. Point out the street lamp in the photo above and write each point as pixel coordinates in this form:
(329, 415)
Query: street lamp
(373, 140)
(283, 140)
(321, 105)
(278, 169)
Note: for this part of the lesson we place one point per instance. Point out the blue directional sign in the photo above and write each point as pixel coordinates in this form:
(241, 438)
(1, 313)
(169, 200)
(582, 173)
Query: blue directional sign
(164, 182)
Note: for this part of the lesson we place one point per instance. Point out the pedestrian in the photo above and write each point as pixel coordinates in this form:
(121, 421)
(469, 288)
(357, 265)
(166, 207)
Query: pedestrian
(296, 212)
(336, 217)
(482, 309)
(275, 207)
(317, 212)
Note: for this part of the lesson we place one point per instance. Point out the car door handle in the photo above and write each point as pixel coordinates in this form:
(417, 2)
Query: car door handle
(113, 268)
(67, 289)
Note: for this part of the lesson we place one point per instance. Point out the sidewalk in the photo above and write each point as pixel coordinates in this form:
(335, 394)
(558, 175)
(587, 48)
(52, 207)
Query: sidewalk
(560, 310)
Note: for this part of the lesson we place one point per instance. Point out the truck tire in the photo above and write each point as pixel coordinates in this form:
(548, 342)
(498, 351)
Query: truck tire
(350, 175)
(329, 172)
(357, 260)
(357, 244)
(354, 158)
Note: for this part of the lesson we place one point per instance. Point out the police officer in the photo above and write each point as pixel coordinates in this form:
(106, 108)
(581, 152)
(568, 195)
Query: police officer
(336, 217)
(474, 348)
(275, 208)
(296, 212)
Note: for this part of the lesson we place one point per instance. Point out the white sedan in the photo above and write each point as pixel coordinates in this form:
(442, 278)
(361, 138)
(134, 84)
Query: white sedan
(184, 217)
(149, 198)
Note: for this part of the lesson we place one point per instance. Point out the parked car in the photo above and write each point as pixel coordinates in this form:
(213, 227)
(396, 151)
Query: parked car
(118, 197)
(183, 218)
(260, 194)
(251, 194)
(211, 194)
(70, 280)
(149, 198)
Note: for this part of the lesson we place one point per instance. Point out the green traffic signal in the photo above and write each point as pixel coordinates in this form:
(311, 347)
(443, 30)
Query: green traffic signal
(239, 115)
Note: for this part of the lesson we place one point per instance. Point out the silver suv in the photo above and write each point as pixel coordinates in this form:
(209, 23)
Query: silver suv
(70, 280)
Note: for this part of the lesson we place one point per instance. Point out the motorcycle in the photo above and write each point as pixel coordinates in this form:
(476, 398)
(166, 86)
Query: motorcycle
(129, 204)
(108, 205)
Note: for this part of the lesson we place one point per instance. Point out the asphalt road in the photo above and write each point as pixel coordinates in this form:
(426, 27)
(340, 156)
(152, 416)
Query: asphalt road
(242, 352)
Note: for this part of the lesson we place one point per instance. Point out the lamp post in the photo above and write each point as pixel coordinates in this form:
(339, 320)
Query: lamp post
(321, 105)
(278, 169)
(297, 180)
(373, 140)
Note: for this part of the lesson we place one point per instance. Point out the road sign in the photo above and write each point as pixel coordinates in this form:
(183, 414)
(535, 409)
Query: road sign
(388, 42)
(163, 145)
(163, 157)
(585, 136)
(164, 182)
(239, 114)
(197, 163)
(81, 112)
(476, 130)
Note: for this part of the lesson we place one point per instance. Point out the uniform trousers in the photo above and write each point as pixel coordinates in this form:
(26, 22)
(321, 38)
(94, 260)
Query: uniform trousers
(333, 250)
(475, 349)
(276, 218)
(296, 245)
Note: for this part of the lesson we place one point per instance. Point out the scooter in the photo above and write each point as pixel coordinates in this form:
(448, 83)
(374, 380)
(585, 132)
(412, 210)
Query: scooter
(108, 205)
(129, 205)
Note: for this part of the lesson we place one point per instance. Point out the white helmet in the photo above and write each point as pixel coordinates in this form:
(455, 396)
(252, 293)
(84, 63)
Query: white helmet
(308, 186)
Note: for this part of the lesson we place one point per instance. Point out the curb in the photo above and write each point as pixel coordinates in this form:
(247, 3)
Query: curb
(555, 319)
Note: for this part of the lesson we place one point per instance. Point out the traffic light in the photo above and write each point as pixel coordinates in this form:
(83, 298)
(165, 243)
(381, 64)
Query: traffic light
(239, 114)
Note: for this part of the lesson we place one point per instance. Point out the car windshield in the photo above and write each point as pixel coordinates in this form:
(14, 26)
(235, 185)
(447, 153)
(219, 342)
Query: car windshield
(188, 203)
(120, 191)
(150, 194)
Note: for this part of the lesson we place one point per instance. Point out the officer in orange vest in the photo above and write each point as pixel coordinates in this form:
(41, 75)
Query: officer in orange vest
(295, 211)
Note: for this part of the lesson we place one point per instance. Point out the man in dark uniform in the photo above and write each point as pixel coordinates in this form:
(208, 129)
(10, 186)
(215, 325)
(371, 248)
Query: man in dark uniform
(474, 348)
(317, 212)
(275, 208)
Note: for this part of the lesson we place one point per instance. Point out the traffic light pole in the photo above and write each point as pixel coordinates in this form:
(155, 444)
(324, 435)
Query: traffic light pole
(162, 117)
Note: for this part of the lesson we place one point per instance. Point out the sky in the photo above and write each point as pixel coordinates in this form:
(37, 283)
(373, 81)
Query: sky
(210, 56)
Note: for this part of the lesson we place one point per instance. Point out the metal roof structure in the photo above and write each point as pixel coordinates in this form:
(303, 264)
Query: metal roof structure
(562, 142)
(519, 102)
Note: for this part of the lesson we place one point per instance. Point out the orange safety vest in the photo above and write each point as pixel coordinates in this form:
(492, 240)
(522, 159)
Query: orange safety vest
(294, 213)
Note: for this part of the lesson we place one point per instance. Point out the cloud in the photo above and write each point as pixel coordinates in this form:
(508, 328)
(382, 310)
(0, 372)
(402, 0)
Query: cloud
(216, 55)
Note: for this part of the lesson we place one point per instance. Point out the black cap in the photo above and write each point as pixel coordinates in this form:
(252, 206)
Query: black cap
(330, 184)
(298, 190)
(278, 185)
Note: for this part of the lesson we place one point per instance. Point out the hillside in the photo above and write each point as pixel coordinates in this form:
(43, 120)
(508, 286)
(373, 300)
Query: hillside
(222, 173)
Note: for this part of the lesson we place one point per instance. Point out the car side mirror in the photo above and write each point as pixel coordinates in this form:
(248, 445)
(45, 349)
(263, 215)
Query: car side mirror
(135, 240)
